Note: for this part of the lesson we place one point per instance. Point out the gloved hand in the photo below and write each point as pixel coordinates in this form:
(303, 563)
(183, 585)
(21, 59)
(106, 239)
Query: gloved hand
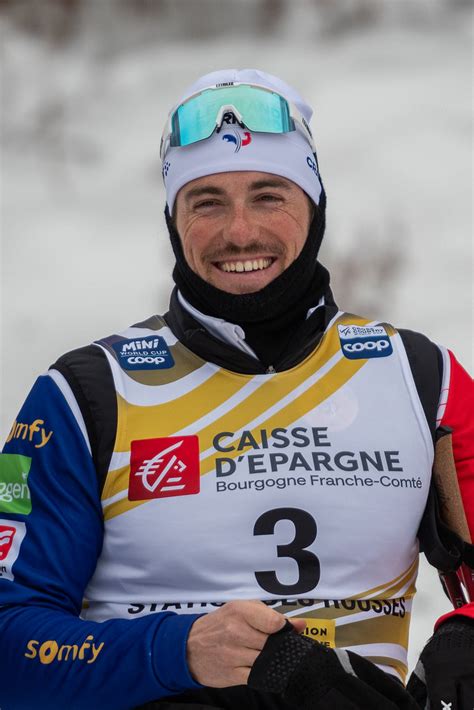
(309, 675)
(444, 676)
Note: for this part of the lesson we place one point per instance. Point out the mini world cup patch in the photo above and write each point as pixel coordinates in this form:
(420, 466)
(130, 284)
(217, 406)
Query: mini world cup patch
(150, 353)
(364, 341)
(164, 467)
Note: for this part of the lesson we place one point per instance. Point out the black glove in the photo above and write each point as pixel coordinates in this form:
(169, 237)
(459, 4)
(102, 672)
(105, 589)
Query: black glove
(444, 676)
(309, 675)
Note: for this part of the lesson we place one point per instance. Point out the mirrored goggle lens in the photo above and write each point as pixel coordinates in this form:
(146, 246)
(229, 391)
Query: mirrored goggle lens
(261, 110)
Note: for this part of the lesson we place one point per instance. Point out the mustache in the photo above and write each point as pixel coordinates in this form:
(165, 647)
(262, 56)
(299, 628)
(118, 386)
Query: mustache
(255, 248)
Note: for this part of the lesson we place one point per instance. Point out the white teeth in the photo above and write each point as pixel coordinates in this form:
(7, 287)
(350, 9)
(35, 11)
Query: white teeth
(255, 265)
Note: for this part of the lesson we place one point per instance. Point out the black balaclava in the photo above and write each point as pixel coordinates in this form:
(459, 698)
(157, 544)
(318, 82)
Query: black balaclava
(269, 317)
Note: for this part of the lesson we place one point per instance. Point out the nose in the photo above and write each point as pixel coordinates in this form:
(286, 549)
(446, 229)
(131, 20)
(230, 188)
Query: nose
(240, 228)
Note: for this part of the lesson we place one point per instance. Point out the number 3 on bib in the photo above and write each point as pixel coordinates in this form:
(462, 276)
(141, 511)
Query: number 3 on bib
(308, 564)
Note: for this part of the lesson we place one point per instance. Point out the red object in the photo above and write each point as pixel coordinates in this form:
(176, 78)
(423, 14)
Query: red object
(7, 534)
(459, 416)
(164, 467)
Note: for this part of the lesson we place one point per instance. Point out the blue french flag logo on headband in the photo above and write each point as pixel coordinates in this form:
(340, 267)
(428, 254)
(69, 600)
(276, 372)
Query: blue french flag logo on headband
(238, 140)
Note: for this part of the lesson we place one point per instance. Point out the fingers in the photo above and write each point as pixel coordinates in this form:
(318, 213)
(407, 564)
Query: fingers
(299, 625)
(223, 645)
(259, 616)
(251, 638)
(245, 658)
(242, 676)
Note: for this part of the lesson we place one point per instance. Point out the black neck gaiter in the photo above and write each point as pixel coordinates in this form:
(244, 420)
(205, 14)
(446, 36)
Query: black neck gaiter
(270, 316)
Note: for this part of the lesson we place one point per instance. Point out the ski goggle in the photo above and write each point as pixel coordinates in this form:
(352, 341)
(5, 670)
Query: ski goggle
(254, 107)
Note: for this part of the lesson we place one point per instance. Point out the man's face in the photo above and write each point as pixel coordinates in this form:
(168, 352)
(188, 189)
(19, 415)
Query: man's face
(240, 230)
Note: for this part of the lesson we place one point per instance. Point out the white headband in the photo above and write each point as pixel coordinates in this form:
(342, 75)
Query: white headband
(233, 149)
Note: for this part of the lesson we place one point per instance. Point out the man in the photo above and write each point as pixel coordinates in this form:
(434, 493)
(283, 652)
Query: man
(171, 493)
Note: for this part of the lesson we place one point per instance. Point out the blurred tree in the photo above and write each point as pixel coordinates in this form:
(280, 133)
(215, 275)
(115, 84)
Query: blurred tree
(368, 285)
(56, 21)
(342, 16)
(270, 13)
(121, 25)
(144, 7)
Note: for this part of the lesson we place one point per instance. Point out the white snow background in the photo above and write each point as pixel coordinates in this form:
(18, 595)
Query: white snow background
(84, 245)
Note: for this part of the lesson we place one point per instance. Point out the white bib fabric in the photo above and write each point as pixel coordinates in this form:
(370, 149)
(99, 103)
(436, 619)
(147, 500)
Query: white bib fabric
(303, 488)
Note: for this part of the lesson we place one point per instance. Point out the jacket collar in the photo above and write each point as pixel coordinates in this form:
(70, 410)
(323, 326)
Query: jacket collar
(223, 343)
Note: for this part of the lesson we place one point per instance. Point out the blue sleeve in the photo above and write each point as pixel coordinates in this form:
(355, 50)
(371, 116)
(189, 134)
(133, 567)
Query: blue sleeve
(51, 530)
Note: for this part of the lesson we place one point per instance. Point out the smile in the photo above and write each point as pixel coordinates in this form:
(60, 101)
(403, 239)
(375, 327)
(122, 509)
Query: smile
(247, 265)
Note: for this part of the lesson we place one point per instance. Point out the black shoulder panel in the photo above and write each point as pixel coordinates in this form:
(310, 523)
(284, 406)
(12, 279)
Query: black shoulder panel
(427, 369)
(88, 373)
(153, 322)
(441, 546)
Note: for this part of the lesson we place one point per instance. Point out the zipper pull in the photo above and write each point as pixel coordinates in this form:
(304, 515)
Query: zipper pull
(270, 370)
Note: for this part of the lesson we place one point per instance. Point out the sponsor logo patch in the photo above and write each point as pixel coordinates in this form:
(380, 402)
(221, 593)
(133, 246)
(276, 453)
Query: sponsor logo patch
(238, 140)
(34, 432)
(7, 533)
(150, 353)
(363, 342)
(47, 652)
(164, 467)
(321, 630)
(312, 165)
(12, 533)
(14, 492)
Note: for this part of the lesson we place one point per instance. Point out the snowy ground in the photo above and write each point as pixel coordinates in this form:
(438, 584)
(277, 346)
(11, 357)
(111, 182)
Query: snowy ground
(84, 249)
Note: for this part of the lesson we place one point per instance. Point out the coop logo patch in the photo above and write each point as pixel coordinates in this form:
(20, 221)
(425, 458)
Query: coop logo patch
(14, 492)
(164, 467)
(144, 354)
(362, 342)
(11, 537)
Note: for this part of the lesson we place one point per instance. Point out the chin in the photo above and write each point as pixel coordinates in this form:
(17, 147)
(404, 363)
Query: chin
(241, 288)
